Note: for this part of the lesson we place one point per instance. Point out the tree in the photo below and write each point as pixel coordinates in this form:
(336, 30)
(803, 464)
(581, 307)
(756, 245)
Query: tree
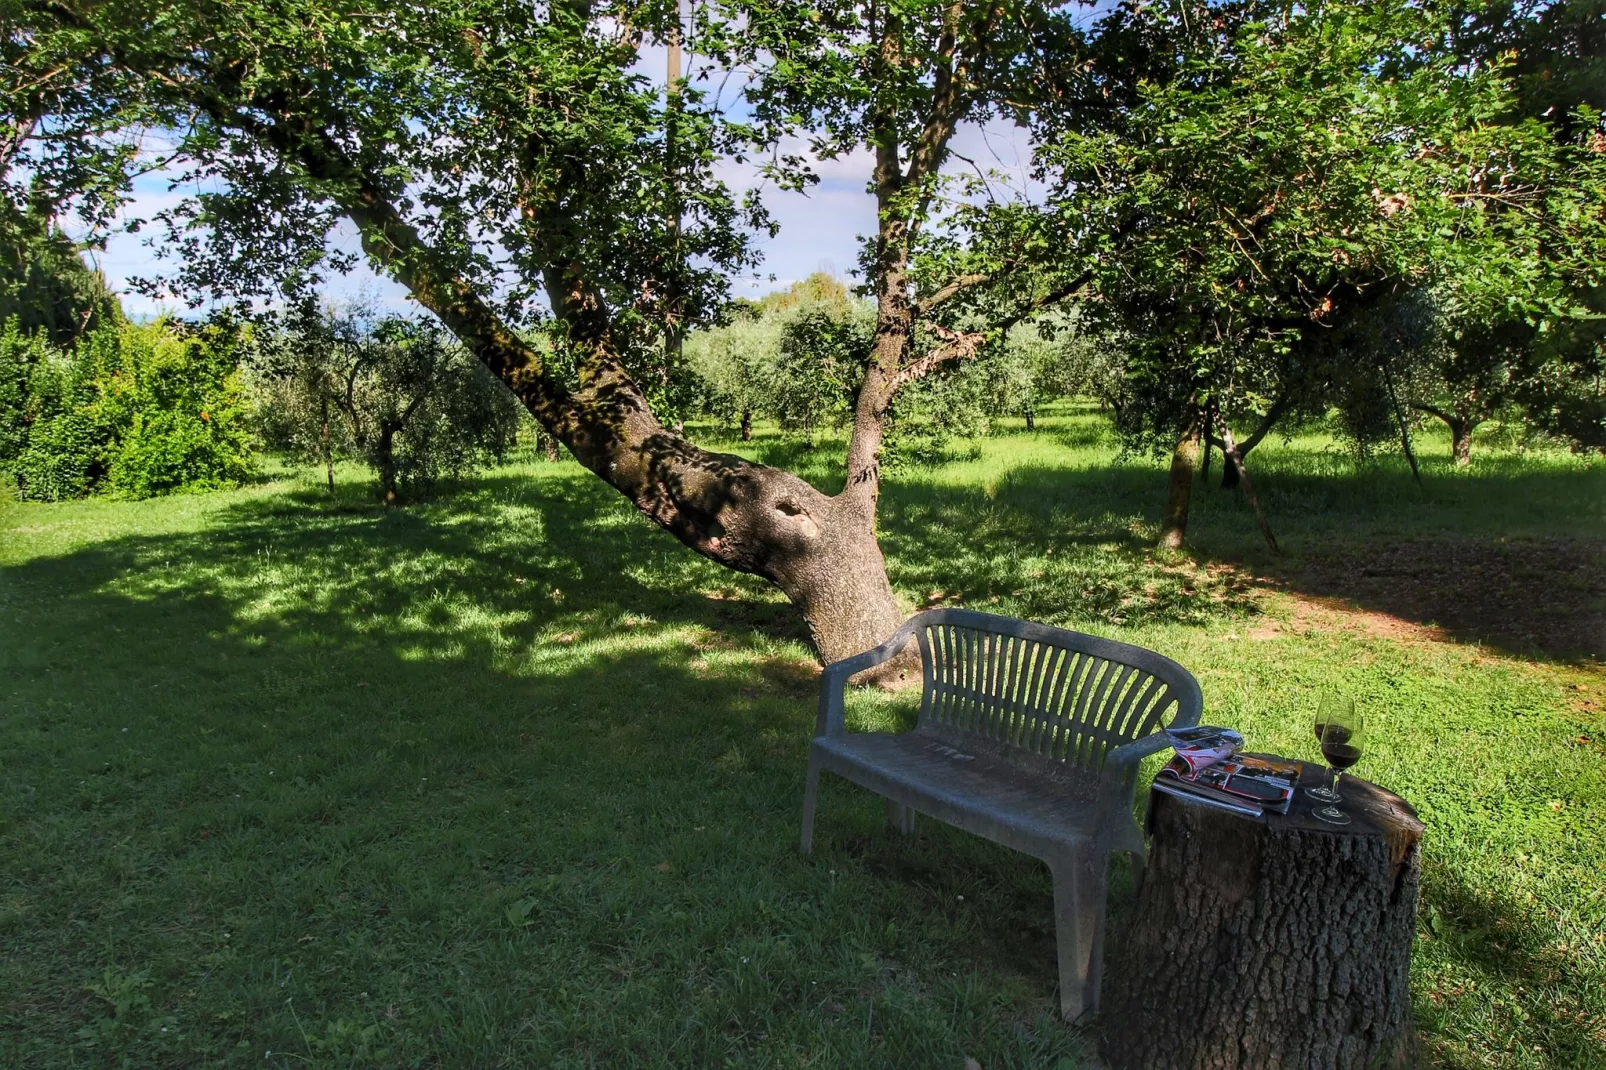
(1472, 371)
(818, 366)
(395, 392)
(741, 366)
(489, 152)
(1265, 176)
(44, 283)
(1037, 363)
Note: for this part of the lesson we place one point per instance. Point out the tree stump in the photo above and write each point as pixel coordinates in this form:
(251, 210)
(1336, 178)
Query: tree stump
(1275, 941)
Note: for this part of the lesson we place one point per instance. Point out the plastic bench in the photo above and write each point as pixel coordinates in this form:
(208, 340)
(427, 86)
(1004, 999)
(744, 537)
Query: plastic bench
(1029, 736)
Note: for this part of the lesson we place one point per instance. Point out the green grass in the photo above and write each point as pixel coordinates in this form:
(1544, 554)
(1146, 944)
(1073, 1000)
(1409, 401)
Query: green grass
(512, 779)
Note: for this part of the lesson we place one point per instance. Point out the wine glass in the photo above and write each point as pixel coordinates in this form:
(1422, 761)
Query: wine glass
(1342, 740)
(1331, 707)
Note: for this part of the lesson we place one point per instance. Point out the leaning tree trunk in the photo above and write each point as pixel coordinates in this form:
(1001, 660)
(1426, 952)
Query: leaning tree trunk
(1270, 942)
(821, 551)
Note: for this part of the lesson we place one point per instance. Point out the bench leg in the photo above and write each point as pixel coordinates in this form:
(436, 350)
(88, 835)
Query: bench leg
(901, 817)
(1079, 893)
(811, 799)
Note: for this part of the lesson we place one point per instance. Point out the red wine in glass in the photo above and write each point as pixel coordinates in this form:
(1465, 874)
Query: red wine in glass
(1330, 707)
(1341, 746)
(1338, 750)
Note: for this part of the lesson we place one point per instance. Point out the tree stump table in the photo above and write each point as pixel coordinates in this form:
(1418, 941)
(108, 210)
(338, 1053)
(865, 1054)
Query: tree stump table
(1275, 941)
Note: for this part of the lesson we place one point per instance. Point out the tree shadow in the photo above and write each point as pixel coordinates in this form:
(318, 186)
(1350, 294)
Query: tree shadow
(497, 777)
(1490, 939)
(1469, 557)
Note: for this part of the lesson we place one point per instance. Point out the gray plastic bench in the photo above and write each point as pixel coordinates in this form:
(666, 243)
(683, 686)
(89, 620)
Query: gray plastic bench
(1028, 735)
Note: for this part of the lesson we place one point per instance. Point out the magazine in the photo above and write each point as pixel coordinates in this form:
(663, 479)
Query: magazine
(1244, 784)
(1204, 745)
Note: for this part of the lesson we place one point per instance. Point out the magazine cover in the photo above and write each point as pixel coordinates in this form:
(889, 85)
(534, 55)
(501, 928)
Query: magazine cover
(1204, 745)
(1243, 784)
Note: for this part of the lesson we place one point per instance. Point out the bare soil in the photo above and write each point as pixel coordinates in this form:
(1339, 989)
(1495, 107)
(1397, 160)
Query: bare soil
(1543, 597)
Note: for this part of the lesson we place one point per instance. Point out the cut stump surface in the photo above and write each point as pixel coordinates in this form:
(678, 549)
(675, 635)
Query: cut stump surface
(1277, 941)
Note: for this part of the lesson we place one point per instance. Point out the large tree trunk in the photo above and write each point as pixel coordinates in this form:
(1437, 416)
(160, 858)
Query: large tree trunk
(1270, 942)
(1175, 527)
(821, 551)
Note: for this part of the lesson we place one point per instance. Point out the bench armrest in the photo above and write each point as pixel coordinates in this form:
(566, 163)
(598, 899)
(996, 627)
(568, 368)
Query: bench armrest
(1130, 754)
(834, 679)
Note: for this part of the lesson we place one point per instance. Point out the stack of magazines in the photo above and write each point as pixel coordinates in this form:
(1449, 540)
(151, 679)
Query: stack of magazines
(1208, 769)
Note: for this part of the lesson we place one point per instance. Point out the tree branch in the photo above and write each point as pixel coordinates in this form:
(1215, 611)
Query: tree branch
(957, 345)
(953, 288)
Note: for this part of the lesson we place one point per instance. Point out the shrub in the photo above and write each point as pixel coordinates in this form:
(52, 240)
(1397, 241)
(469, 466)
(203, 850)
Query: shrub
(137, 410)
(19, 354)
(173, 397)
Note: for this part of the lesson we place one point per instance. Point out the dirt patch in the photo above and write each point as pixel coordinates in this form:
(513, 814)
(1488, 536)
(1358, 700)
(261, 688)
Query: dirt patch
(1531, 596)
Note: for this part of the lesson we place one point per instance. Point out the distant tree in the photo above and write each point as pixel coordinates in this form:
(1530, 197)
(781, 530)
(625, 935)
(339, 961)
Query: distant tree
(818, 365)
(1038, 362)
(396, 392)
(736, 364)
(44, 283)
(1470, 372)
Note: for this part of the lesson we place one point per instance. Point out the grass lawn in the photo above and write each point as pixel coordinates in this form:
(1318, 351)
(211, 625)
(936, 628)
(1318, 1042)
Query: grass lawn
(512, 779)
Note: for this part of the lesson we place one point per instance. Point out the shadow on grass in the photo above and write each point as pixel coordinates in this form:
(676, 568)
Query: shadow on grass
(1490, 939)
(1471, 555)
(507, 778)
(513, 776)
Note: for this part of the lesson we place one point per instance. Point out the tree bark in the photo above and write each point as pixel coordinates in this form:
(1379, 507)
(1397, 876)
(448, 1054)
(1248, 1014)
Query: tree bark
(328, 451)
(385, 461)
(747, 425)
(1229, 474)
(1277, 941)
(1031, 419)
(1175, 527)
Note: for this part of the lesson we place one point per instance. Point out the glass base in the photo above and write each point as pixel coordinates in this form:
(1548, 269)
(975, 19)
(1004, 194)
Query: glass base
(1332, 815)
(1326, 795)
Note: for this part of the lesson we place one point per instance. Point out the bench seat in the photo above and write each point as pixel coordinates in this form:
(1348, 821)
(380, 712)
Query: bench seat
(1029, 736)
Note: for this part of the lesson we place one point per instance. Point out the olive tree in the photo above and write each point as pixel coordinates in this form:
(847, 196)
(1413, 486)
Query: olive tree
(396, 392)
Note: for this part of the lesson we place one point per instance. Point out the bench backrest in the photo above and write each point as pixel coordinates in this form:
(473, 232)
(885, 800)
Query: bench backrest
(1061, 695)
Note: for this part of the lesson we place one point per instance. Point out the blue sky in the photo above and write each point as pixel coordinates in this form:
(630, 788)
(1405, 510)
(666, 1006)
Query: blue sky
(820, 229)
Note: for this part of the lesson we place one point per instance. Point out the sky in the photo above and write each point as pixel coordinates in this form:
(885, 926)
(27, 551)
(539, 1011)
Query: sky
(821, 229)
